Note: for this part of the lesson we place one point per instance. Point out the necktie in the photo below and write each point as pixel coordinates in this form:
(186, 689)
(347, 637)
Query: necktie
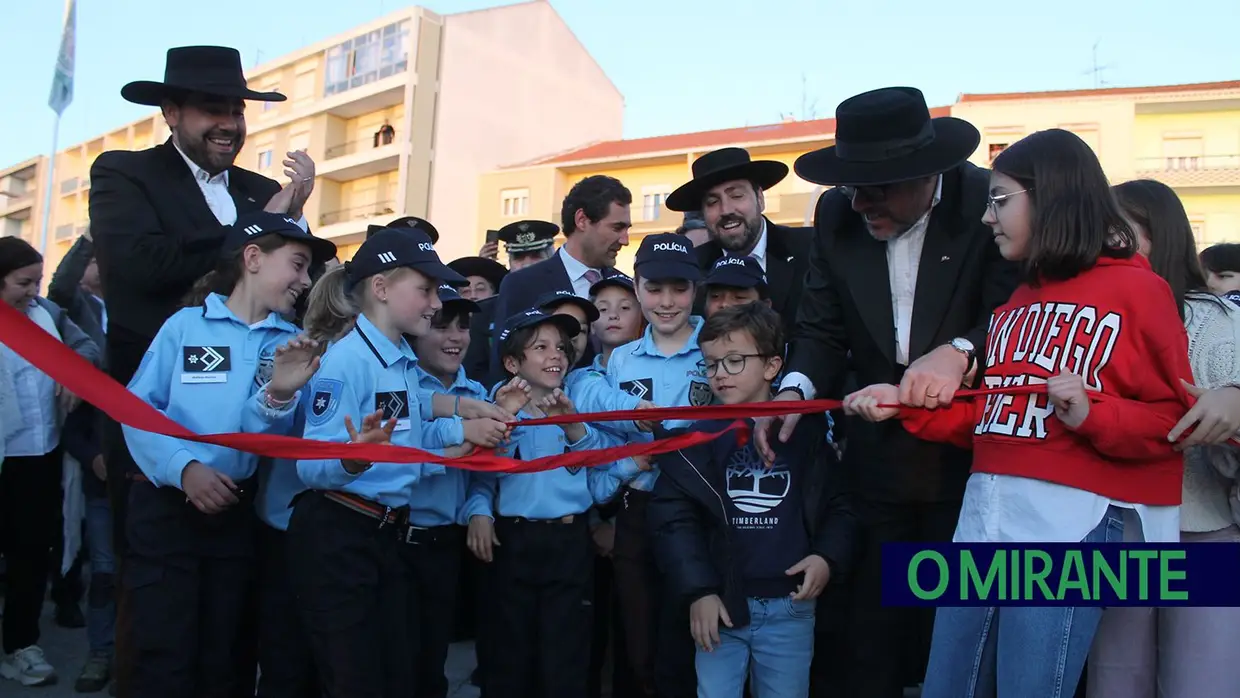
(593, 276)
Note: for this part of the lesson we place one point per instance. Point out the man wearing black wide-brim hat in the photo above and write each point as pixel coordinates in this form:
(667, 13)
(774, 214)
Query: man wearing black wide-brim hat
(158, 218)
(903, 279)
(728, 192)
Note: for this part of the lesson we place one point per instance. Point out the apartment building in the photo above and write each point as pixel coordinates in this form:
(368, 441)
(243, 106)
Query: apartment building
(401, 115)
(1187, 136)
(21, 199)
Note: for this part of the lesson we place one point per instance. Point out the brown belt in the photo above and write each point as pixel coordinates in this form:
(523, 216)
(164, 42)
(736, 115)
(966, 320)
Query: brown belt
(386, 516)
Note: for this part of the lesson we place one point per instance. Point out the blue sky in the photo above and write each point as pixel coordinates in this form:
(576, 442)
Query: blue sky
(682, 65)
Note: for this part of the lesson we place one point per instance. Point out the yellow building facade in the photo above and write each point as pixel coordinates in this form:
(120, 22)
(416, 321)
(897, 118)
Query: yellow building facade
(401, 116)
(1187, 136)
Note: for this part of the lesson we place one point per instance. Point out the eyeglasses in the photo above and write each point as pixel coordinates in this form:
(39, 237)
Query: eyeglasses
(873, 193)
(994, 201)
(732, 364)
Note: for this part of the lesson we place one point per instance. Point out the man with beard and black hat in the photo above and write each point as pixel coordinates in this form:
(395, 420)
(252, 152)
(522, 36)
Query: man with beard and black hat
(903, 279)
(727, 190)
(159, 217)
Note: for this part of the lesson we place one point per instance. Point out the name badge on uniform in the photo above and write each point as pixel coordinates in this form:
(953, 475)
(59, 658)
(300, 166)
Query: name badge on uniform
(205, 364)
(394, 404)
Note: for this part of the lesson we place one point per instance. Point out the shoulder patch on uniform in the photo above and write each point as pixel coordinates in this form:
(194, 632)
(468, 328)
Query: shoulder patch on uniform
(699, 394)
(324, 400)
(266, 367)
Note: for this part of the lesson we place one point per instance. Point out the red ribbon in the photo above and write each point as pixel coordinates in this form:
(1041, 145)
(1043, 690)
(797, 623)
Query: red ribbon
(76, 374)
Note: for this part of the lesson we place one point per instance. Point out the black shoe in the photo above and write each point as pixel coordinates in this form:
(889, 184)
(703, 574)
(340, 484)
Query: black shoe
(70, 616)
(95, 675)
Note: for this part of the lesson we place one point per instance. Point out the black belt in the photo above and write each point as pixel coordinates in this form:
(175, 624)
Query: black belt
(562, 520)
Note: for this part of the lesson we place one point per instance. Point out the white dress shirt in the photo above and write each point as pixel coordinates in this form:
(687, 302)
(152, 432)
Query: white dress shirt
(577, 272)
(215, 191)
(759, 248)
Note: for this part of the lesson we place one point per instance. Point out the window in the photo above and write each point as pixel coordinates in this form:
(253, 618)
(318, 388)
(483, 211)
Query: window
(996, 148)
(1182, 152)
(299, 141)
(652, 205)
(1198, 224)
(514, 202)
(269, 106)
(366, 58)
(264, 159)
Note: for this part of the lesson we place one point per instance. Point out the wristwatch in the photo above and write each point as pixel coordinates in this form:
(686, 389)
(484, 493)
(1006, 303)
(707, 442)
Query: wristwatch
(965, 347)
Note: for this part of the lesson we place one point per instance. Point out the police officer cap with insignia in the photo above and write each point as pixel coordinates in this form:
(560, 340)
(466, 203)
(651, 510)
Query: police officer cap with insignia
(528, 242)
(408, 222)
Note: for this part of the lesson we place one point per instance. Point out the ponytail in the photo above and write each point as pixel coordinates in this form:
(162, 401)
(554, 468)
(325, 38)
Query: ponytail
(332, 306)
(228, 272)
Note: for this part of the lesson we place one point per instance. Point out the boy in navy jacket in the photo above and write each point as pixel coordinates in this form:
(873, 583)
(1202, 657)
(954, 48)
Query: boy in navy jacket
(751, 548)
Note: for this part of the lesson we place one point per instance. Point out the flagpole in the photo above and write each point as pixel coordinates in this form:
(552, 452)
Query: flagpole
(51, 187)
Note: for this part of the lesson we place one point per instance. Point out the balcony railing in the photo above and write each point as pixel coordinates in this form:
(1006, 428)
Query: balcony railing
(350, 147)
(1189, 163)
(63, 232)
(379, 208)
(69, 186)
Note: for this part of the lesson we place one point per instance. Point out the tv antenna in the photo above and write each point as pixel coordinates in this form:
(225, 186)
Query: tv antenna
(1097, 70)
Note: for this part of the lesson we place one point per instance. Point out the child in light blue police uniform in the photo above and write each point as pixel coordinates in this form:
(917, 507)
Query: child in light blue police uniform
(665, 366)
(735, 281)
(349, 538)
(541, 575)
(232, 364)
(436, 504)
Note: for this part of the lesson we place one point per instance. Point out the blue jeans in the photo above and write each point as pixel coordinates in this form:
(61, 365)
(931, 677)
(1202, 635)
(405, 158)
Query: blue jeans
(101, 599)
(1015, 652)
(775, 650)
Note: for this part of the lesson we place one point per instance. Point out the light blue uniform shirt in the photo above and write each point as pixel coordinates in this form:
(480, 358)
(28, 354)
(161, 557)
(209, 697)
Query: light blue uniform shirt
(550, 494)
(363, 372)
(204, 371)
(590, 392)
(439, 501)
(679, 380)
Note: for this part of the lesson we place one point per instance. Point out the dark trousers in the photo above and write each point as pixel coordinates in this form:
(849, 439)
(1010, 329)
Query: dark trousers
(542, 583)
(186, 576)
(30, 523)
(355, 593)
(435, 555)
(607, 646)
(660, 648)
(124, 355)
(283, 649)
(887, 647)
(67, 589)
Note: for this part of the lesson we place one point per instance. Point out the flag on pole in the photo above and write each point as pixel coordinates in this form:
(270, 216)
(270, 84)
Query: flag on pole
(62, 80)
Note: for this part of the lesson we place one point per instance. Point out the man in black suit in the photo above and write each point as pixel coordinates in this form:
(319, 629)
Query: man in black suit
(158, 219)
(903, 280)
(728, 189)
(596, 221)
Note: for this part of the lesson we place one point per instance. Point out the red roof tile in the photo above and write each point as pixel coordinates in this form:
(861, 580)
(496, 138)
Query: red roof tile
(702, 140)
(1192, 87)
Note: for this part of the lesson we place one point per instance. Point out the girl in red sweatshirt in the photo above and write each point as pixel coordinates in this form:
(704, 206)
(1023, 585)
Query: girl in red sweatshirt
(1065, 466)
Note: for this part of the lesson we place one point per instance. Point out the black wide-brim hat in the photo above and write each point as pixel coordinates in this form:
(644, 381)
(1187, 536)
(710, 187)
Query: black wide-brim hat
(407, 222)
(724, 165)
(886, 136)
(211, 70)
(488, 269)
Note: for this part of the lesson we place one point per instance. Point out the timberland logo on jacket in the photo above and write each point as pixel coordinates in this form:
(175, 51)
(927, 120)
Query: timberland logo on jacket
(1046, 337)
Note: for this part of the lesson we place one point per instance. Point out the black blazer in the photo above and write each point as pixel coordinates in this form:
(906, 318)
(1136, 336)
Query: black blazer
(845, 324)
(154, 234)
(787, 260)
(519, 291)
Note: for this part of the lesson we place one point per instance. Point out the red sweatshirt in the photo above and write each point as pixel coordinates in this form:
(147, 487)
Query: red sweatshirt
(1116, 325)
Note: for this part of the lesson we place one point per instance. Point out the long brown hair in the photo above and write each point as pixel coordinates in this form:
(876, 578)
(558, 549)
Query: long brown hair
(228, 271)
(1075, 218)
(1173, 250)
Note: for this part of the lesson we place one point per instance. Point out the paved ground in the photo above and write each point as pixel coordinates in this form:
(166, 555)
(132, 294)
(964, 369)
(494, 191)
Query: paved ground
(66, 650)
